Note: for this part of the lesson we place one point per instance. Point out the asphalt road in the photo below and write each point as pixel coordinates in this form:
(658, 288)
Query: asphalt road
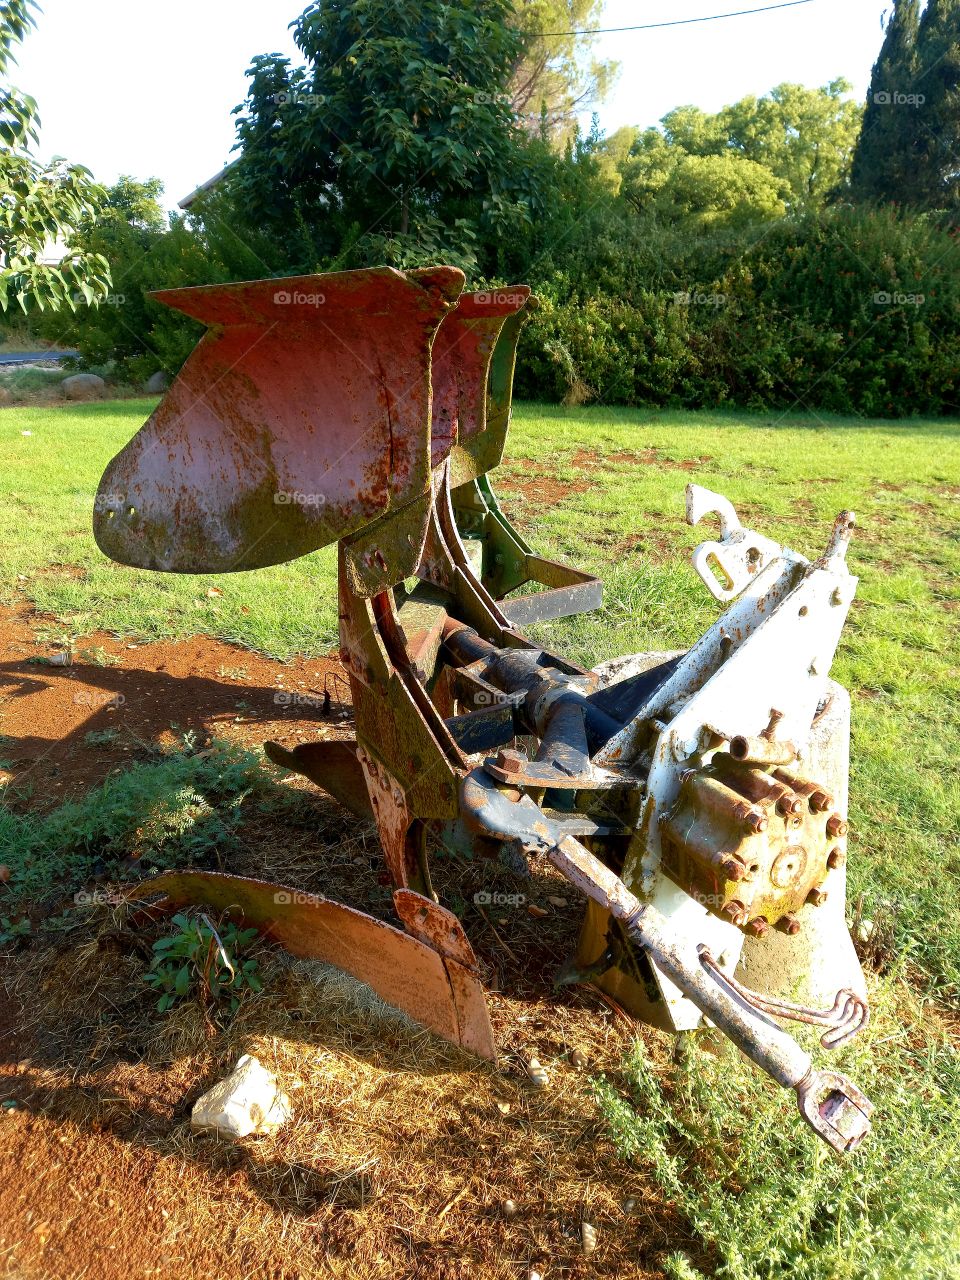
(36, 357)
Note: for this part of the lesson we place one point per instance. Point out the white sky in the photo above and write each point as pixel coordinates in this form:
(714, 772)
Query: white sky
(126, 86)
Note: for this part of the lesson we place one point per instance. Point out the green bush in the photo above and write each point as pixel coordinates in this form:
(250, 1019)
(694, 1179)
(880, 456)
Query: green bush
(175, 811)
(765, 1197)
(845, 311)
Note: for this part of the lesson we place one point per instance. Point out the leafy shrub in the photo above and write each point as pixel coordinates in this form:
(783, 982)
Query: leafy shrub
(844, 311)
(765, 1197)
(173, 812)
(200, 959)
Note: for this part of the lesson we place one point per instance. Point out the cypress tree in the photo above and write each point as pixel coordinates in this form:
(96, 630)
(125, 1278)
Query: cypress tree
(936, 150)
(880, 168)
(908, 152)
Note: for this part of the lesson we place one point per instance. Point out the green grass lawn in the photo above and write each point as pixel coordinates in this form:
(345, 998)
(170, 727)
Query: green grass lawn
(758, 1191)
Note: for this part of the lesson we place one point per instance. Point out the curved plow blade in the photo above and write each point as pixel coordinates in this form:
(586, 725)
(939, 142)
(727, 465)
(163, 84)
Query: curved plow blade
(302, 415)
(437, 990)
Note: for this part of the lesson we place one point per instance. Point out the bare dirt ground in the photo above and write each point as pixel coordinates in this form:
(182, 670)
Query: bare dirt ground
(402, 1153)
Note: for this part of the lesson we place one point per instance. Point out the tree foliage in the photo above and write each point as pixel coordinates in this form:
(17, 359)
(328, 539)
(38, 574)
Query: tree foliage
(908, 149)
(804, 137)
(127, 331)
(394, 141)
(39, 203)
(556, 76)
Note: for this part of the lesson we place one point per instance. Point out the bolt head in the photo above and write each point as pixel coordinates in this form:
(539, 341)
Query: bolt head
(736, 913)
(758, 927)
(836, 859)
(836, 826)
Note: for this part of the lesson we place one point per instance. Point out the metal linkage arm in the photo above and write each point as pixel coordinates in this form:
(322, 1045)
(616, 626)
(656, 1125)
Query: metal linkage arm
(833, 1106)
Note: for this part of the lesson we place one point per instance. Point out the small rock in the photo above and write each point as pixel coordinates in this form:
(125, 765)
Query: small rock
(157, 383)
(4, 874)
(578, 1059)
(534, 1275)
(557, 902)
(248, 1101)
(503, 1108)
(537, 1074)
(82, 386)
(864, 931)
(629, 1206)
(588, 1238)
(537, 912)
(510, 1209)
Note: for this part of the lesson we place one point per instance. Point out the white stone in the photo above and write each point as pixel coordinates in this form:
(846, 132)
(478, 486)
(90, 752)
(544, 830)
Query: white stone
(248, 1100)
(864, 931)
(82, 386)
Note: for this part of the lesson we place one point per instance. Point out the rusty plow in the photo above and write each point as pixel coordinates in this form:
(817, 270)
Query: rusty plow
(697, 800)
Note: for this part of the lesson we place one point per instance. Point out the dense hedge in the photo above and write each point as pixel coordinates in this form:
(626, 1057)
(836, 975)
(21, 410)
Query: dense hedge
(846, 311)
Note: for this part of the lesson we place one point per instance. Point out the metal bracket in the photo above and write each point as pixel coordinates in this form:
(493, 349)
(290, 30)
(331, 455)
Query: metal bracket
(739, 555)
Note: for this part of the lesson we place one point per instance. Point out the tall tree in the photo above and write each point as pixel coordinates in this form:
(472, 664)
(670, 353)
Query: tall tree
(396, 136)
(555, 76)
(39, 203)
(908, 148)
(936, 151)
(804, 137)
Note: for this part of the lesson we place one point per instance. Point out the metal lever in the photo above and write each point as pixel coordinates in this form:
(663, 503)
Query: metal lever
(848, 1015)
(832, 1106)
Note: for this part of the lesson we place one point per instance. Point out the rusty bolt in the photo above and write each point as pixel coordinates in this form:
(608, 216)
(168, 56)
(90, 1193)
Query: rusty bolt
(788, 924)
(758, 927)
(736, 913)
(775, 718)
(836, 826)
(510, 761)
(819, 801)
(733, 868)
(817, 897)
(789, 805)
(755, 820)
(836, 859)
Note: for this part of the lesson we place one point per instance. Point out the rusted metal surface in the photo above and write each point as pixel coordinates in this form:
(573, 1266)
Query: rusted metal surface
(401, 969)
(302, 416)
(368, 408)
(331, 765)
